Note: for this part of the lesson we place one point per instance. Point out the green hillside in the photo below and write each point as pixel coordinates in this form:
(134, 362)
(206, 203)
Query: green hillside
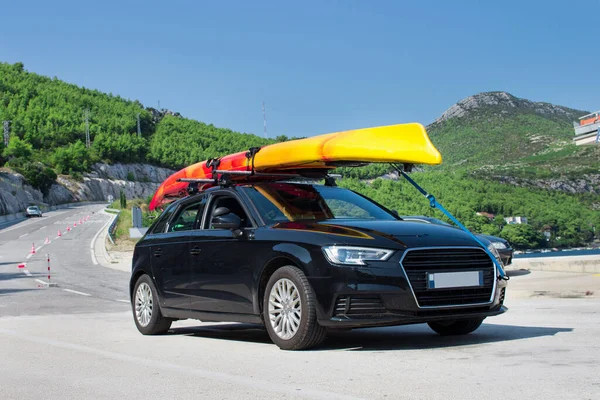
(48, 116)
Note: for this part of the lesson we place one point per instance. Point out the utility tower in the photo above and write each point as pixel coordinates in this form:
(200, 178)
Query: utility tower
(6, 132)
(86, 114)
(264, 118)
(139, 129)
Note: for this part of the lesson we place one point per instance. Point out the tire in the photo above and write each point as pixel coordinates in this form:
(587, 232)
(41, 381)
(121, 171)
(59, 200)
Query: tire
(152, 323)
(300, 303)
(456, 327)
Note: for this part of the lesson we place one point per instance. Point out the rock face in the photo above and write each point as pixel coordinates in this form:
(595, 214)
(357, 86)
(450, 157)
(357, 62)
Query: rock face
(136, 181)
(588, 183)
(503, 103)
(15, 194)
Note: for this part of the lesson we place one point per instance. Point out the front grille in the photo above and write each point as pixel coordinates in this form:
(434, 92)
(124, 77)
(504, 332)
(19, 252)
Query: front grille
(359, 305)
(419, 263)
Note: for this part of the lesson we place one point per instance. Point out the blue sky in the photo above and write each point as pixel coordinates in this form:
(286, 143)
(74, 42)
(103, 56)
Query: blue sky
(320, 66)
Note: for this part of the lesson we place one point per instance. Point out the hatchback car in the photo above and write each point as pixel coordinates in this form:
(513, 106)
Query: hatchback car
(502, 246)
(302, 259)
(33, 211)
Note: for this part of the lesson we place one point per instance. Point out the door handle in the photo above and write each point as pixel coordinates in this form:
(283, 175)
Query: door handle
(158, 253)
(195, 251)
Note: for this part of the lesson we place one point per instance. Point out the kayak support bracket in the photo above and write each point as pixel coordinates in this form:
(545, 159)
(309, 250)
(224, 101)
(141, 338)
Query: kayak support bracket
(433, 203)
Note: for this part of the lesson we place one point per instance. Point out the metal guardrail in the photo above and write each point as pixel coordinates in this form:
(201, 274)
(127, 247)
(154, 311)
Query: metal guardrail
(113, 226)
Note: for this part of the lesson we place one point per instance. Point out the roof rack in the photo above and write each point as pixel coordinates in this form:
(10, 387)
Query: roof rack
(223, 178)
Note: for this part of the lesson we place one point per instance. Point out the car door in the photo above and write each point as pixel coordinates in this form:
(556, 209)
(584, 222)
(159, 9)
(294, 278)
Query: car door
(222, 273)
(170, 252)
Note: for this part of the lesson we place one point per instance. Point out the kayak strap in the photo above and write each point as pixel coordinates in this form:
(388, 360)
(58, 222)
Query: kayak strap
(434, 204)
(250, 154)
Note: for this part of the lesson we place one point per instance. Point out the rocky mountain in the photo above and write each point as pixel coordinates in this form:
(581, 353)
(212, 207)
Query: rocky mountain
(504, 104)
(500, 134)
(136, 181)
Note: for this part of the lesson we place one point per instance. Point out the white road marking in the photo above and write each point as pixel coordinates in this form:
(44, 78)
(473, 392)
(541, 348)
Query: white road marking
(76, 292)
(123, 301)
(56, 238)
(41, 281)
(29, 256)
(23, 235)
(26, 271)
(93, 242)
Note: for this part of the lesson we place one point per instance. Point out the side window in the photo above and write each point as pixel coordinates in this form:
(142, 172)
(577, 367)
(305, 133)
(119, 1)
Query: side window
(185, 220)
(234, 207)
(161, 223)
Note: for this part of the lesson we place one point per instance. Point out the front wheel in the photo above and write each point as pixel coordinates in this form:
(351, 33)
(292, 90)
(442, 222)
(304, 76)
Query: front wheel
(146, 311)
(456, 327)
(289, 309)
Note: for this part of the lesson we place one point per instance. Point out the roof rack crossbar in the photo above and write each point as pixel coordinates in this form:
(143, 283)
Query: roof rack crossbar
(253, 173)
(194, 180)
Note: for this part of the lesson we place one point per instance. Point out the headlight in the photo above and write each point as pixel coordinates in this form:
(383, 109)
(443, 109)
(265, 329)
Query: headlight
(495, 253)
(499, 245)
(349, 255)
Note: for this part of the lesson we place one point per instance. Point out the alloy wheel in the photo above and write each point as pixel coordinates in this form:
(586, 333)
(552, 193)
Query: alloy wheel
(285, 308)
(143, 304)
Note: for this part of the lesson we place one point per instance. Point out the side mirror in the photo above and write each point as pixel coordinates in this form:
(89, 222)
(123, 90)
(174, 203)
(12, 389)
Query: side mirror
(220, 211)
(227, 220)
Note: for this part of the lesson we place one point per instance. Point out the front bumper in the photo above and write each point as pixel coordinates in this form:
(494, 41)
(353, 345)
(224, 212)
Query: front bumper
(355, 297)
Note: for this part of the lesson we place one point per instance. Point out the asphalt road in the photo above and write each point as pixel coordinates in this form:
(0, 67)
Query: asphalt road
(78, 340)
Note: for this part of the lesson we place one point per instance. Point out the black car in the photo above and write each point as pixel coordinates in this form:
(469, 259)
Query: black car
(495, 243)
(302, 259)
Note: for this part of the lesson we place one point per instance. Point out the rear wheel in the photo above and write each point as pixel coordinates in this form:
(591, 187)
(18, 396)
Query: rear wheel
(289, 309)
(146, 311)
(456, 327)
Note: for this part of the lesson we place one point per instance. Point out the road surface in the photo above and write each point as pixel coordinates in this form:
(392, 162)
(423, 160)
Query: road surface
(78, 340)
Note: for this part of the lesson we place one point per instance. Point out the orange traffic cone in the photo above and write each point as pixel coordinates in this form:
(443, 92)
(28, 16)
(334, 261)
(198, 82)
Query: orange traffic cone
(59, 234)
(47, 241)
(32, 248)
(75, 224)
(68, 228)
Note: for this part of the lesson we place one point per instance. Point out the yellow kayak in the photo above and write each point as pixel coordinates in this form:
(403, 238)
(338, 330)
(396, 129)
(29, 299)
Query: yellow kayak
(403, 144)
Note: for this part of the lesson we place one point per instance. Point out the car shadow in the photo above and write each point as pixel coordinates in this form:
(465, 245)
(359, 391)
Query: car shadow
(518, 272)
(408, 337)
(10, 291)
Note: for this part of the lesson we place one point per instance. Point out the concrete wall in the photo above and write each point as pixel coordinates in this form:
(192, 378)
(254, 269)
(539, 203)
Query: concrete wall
(585, 264)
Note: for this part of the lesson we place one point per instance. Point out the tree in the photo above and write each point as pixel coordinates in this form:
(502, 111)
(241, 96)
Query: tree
(17, 148)
(522, 236)
(74, 157)
(122, 199)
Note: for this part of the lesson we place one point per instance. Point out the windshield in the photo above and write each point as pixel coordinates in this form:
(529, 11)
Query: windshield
(282, 202)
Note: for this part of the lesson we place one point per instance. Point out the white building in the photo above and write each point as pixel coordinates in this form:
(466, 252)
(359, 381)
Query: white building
(587, 130)
(516, 220)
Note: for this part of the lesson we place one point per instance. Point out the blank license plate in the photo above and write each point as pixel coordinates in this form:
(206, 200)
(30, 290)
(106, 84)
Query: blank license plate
(442, 280)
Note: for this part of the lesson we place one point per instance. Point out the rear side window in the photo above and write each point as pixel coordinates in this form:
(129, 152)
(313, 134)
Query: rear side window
(185, 220)
(159, 226)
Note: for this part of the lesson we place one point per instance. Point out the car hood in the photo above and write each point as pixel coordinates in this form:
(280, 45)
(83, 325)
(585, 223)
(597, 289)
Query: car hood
(407, 234)
(493, 238)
